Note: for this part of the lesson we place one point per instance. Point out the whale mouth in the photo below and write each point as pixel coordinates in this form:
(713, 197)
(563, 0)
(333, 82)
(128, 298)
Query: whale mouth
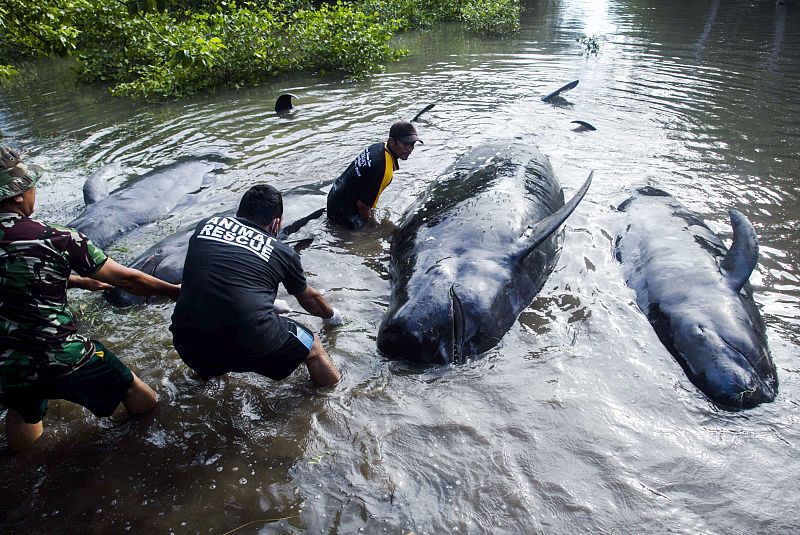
(457, 318)
(761, 390)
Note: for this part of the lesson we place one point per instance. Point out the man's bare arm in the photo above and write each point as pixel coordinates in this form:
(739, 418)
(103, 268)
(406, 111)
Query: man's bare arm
(134, 281)
(313, 302)
(365, 213)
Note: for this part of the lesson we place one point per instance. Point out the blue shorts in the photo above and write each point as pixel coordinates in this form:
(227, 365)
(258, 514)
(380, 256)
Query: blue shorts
(276, 364)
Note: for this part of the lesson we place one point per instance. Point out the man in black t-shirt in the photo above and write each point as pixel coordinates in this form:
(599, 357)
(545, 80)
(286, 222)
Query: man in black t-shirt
(226, 319)
(355, 193)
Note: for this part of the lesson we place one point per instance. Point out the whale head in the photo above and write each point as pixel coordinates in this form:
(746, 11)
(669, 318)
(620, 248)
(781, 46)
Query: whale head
(725, 354)
(442, 318)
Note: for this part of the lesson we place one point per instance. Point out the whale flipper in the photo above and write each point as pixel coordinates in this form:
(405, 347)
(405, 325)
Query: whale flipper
(562, 89)
(543, 229)
(742, 257)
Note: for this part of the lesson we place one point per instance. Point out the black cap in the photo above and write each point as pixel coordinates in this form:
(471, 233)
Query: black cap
(404, 131)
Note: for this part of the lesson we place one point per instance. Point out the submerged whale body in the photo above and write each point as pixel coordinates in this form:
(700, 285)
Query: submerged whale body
(471, 254)
(151, 197)
(695, 293)
(165, 259)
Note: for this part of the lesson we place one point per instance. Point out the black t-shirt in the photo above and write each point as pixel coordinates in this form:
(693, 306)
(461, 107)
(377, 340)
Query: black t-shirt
(230, 280)
(364, 180)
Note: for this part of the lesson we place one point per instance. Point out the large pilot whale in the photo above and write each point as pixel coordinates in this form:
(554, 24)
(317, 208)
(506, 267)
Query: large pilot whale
(471, 254)
(695, 292)
(165, 259)
(151, 197)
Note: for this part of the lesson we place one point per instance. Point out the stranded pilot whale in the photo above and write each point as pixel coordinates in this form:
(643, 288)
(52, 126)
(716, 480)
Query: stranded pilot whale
(695, 292)
(471, 254)
(151, 197)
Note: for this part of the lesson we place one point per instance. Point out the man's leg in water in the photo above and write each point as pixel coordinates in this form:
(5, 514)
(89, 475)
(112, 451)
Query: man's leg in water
(139, 398)
(19, 433)
(320, 366)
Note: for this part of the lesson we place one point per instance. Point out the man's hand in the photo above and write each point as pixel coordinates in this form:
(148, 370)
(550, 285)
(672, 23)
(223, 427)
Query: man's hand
(281, 307)
(9, 157)
(87, 283)
(335, 319)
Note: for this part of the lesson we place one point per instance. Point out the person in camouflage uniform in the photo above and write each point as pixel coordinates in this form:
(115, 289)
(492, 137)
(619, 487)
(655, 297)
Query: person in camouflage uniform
(42, 355)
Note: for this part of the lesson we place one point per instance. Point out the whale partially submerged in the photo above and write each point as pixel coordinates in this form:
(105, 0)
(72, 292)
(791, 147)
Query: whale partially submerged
(472, 253)
(695, 293)
(165, 259)
(151, 197)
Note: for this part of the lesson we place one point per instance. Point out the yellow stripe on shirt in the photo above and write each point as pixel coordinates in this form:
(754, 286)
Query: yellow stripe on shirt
(388, 171)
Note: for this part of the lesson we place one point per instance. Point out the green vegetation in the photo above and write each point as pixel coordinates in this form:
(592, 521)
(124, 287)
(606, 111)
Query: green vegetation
(171, 48)
(492, 16)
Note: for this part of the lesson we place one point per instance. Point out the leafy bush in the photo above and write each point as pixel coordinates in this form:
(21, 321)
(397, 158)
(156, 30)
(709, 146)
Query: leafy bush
(31, 29)
(491, 16)
(339, 38)
(7, 71)
(171, 48)
(411, 14)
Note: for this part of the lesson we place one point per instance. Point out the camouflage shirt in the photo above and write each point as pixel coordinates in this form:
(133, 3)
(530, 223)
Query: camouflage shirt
(39, 338)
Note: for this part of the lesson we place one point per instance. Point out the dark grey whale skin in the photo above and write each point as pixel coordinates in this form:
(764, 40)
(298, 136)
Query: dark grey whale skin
(471, 254)
(165, 259)
(696, 295)
(151, 197)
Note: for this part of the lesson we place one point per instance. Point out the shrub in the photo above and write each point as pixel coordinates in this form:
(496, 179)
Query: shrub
(340, 38)
(411, 14)
(172, 48)
(491, 16)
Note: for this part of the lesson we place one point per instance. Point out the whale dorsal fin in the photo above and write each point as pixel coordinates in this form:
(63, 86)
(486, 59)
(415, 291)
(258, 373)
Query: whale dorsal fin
(300, 223)
(562, 89)
(96, 186)
(423, 110)
(742, 257)
(547, 226)
(284, 103)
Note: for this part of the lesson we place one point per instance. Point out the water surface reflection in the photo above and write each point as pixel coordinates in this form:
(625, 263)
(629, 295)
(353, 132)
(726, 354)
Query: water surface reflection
(578, 421)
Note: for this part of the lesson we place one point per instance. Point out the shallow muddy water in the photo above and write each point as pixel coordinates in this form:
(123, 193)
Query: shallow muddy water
(579, 421)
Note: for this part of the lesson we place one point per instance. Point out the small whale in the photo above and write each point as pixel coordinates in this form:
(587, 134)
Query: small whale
(165, 259)
(696, 295)
(151, 197)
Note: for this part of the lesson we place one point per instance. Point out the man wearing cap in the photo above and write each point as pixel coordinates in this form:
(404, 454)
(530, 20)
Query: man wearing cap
(42, 356)
(355, 193)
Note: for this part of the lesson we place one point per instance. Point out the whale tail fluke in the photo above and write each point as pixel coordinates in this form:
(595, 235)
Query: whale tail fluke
(742, 256)
(543, 229)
